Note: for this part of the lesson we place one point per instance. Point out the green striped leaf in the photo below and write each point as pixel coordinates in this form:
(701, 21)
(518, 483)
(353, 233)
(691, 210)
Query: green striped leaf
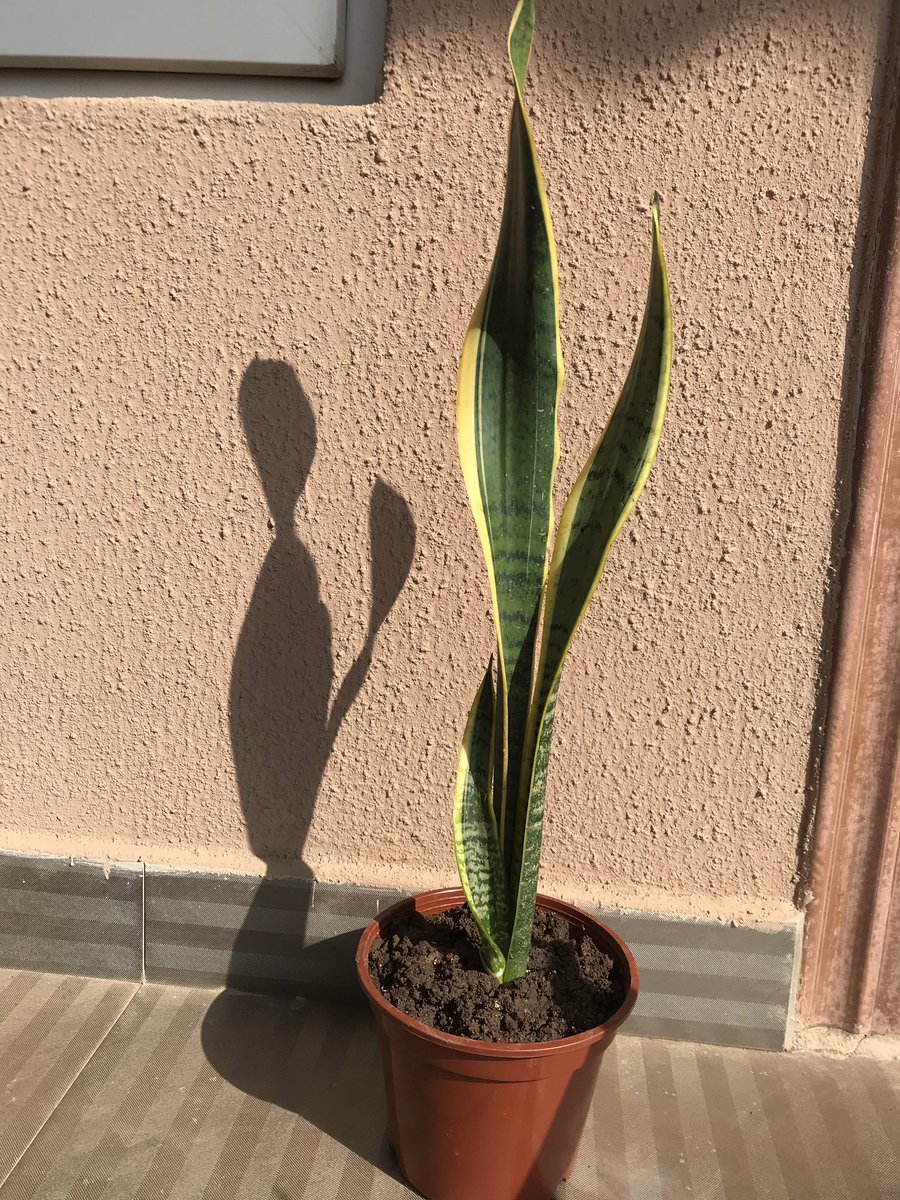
(603, 496)
(509, 381)
(475, 837)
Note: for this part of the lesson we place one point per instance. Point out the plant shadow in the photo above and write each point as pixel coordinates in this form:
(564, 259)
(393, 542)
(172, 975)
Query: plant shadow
(282, 722)
(318, 1061)
(286, 710)
(322, 1063)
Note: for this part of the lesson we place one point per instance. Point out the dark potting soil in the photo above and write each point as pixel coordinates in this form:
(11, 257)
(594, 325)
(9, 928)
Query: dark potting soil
(430, 968)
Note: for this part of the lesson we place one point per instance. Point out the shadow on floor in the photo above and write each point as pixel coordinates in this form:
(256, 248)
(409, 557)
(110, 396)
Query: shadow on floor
(320, 1062)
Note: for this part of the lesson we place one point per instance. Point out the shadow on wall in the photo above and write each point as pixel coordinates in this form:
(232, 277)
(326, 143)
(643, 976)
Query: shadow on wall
(607, 31)
(282, 718)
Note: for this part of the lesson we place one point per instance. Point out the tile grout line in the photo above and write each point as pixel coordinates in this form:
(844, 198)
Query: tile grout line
(793, 1024)
(72, 1082)
(143, 923)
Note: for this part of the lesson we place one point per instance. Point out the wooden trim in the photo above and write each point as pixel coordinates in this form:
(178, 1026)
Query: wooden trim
(851, 963)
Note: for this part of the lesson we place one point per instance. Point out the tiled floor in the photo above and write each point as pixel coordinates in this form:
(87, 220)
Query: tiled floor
(114, 1092)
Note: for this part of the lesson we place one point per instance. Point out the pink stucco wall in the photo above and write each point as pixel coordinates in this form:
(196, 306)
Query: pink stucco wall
(207, 304)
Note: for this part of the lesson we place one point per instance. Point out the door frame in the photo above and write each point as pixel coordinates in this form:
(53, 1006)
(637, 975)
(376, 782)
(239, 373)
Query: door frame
(850, 974)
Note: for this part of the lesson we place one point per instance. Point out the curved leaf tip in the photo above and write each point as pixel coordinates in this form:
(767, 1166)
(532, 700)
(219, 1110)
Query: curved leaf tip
(521, 35)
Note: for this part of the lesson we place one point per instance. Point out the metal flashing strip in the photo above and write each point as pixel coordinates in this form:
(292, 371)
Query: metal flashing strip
(267, 935)
(71, 916)
(701, 981)
(711, 981)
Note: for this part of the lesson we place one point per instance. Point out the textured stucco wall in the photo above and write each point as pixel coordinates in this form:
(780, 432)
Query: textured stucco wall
(186, 680)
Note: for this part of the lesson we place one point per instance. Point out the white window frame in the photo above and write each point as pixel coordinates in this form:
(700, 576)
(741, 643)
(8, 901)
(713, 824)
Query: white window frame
(242, 37)
(356, 73)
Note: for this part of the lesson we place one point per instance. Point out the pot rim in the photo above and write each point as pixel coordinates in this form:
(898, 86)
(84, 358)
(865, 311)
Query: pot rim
(450, 898)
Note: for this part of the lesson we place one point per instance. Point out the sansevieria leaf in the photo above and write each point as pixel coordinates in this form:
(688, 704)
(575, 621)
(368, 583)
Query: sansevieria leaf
(510, 376)
(595, 512)
(475, 837)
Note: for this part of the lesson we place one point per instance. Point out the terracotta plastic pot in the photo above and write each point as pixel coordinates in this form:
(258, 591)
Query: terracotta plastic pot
(471, 1120)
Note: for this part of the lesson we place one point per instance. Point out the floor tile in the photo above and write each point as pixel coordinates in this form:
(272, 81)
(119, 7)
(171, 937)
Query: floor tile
(201, 1095)
(50, 1026)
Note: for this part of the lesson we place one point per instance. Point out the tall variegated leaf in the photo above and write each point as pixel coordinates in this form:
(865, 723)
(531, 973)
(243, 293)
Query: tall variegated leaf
(475, 832)
(601, 500)
(509, 380)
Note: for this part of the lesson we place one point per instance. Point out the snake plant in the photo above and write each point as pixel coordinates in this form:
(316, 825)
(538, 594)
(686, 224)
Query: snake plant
(510, 377)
